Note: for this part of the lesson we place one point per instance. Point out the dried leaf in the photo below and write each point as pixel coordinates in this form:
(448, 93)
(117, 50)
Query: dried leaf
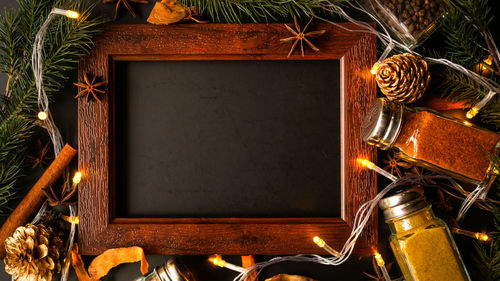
(170, 11)
(111, 258)
(286, 277)
(77, 263)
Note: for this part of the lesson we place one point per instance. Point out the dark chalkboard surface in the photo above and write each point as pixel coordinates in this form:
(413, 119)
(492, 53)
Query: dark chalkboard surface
(228, 139)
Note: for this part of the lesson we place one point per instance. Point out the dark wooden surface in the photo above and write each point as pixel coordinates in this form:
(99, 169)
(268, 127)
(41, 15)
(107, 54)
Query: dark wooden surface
(100, 230)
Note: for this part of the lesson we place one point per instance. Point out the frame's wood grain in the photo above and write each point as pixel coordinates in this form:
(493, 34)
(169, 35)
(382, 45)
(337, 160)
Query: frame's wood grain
(99, 229)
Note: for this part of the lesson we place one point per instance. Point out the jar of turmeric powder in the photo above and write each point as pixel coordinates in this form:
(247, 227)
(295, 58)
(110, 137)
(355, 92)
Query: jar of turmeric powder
(422, 243)
(434, 141)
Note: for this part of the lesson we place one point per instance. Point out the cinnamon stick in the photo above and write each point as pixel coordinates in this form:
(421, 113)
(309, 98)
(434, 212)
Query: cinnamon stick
(34, 199)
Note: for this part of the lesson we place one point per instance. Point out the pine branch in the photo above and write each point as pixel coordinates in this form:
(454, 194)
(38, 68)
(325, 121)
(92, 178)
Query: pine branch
(66, 42)
(235, 11)
(463, 40)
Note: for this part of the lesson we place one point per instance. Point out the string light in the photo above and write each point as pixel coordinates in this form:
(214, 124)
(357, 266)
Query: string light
(370, 165)
(375, 68)
(322, 244)
(42, 115)
(384, 55)
(77, 177)
(478, 106)
(218, 261)
(75, 220)
(67, 13)
(484, 68)
(476, 235)
(381, 265)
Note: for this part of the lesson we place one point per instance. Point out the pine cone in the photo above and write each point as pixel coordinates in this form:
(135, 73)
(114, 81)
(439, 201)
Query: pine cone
(33, 253)
(403, 78)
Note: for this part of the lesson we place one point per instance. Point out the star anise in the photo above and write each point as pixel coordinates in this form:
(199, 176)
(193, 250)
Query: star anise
(422, 178)
(126, 4)
(300, 35)
(378, 275)
(394, 164)
(41, 157)
(90, 88)
(65, 197)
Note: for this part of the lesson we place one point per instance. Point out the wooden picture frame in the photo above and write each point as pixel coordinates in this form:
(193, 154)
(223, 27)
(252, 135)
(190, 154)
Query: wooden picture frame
(99, 229)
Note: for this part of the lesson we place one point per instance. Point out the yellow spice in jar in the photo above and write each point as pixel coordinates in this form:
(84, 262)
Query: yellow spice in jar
(430, 256)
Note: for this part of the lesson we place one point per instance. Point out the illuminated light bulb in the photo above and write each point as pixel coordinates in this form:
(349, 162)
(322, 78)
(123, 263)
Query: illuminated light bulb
(322, 244)
(468, 123)
(42, 115)
(370, 165)
(379, 259)
(72, 14)
(375, 68)
(384, 55)
(217, 260)
(484, 68)
(67, 13)
(478, 106)
(75, 220)
(77, 177)
(472, 112)
(477, 235)
(482, 236)
(381, 264)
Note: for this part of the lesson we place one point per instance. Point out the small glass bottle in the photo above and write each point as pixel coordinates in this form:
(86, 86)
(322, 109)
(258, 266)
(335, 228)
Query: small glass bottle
(431, 140)
(172, 270)
(422, 243)
(412, 22)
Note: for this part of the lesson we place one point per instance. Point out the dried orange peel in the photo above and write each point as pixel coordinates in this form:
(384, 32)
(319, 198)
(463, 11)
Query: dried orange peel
(77, 263)
(111, 258)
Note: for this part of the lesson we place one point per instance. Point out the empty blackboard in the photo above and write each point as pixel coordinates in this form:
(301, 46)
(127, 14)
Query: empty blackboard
(227, 138)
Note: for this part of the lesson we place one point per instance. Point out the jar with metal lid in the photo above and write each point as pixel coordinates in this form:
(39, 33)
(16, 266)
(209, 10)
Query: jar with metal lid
(172, 270)
(431, 140)
(422, 243)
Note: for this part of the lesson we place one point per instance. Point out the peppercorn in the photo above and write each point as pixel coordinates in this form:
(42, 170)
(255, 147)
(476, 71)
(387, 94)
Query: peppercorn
(415, 15)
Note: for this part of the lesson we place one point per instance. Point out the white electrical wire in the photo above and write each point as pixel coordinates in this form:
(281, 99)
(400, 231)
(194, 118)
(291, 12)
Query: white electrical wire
(50, 126)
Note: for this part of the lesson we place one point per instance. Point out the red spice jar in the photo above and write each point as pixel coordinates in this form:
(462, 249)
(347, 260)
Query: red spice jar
(434, 141)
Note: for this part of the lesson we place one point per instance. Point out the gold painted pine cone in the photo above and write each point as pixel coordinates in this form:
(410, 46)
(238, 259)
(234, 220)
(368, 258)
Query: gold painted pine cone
(33, 253)
(403, 78)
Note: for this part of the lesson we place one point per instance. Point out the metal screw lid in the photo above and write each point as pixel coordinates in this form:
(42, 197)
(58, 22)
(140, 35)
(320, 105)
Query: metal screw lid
(403, 203)
(382, 123)
(172, 270)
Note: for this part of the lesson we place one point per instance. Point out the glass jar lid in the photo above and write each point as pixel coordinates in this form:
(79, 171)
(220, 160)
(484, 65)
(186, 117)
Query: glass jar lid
(382, 123)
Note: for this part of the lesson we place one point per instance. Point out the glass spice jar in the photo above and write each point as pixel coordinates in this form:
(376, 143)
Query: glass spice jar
(172, 270)
(430, 140)
(411, 21)
(422, 243)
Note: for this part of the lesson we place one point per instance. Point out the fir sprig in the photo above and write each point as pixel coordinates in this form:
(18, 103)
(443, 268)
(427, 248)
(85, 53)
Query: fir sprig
(66, 42)
(235, 11)
(465, 43)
